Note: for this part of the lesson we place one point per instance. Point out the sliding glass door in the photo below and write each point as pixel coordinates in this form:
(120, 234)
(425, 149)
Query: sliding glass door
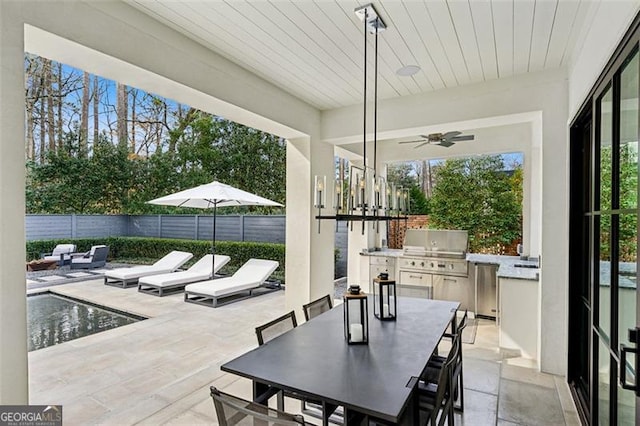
(604, 315)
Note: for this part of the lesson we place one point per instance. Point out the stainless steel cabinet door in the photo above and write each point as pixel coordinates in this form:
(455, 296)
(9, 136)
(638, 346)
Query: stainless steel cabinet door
(456, 289)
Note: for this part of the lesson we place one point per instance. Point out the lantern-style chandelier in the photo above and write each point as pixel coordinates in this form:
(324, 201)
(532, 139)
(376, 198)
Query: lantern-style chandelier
(364, 196)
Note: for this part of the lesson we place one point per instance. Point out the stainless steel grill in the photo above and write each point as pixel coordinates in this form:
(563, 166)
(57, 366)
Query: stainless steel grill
(434, 265)
(429, 257)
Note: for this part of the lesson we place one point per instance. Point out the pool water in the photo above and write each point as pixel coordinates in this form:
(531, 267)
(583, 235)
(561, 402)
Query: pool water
(52, 319)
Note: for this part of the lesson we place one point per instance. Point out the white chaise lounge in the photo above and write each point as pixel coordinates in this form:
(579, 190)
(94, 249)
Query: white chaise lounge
(124, 277)
(240, 285)
(163, 284)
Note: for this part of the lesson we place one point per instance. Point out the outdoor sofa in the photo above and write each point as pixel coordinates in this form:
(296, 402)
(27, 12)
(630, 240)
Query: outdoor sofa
(125, 277)
(61, 254)
(242, 284)
(163, 284)
(94, 258)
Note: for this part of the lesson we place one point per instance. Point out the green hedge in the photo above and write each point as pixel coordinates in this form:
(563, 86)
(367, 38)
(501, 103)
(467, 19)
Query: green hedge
(148, 250)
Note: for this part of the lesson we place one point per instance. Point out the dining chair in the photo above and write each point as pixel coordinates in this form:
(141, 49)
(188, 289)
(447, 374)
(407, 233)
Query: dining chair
(312, 408)
(232, 410)
(435, 399)
(275, 328)
(317, 307)
(271, 330)
(436, 362)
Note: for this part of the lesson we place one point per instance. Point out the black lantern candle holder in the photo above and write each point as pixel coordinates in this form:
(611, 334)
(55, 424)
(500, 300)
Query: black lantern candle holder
(384, 298)
(356, 322)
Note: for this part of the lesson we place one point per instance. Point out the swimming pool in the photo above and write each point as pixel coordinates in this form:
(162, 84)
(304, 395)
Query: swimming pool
(53, 319)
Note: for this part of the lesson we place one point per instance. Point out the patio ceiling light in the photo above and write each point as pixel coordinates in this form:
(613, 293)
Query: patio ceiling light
(408, 70)
(365, 196)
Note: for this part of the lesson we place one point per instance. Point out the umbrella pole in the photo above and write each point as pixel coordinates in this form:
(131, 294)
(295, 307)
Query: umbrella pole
(213, 242)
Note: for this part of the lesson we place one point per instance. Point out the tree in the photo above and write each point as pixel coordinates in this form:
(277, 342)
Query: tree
(403, 174)
(418, 203)
(147, 146)
(33, 91)
(475, 194)
(628, 199)
(71, 182)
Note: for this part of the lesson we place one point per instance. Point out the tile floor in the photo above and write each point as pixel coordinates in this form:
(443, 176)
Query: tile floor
(158, 371)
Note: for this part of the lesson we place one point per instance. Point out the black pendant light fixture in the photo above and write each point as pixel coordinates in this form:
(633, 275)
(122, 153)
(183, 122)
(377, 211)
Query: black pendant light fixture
(365, 196)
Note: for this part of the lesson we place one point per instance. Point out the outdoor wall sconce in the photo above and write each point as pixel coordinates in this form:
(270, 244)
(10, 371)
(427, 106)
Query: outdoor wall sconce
(356, 314)
(384, 298)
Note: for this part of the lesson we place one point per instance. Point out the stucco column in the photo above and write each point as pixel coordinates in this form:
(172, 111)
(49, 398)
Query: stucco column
(554, 154)
(14, 383)
(310, 255)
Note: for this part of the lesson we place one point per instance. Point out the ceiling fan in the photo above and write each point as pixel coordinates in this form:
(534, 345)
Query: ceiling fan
(442, 139)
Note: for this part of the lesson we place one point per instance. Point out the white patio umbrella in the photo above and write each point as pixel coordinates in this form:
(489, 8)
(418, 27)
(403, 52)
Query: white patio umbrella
(211, 196)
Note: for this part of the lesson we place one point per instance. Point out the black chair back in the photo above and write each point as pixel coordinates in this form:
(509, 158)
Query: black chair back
(317, 307)
(232, 410)
(274, 328)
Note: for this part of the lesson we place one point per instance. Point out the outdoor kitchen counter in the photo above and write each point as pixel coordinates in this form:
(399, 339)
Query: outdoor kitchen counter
(506, 266)
(383, 253)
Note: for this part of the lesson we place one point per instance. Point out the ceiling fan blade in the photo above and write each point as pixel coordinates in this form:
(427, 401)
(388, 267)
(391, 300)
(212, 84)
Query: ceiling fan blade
(446, 143)
(450, 135)
(422, 144)
(417, 140)
(462, 138)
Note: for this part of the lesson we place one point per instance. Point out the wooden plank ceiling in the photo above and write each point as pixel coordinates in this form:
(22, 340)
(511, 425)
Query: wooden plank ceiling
(314, 48)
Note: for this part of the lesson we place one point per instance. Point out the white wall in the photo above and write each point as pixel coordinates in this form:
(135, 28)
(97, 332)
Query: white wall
(537, 99)
(602, 33)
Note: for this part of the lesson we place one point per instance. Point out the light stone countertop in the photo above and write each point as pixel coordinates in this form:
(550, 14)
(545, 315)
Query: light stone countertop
(506, 264)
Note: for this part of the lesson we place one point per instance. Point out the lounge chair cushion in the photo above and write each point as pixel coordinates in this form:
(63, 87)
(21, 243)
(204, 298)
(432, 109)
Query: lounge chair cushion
(168, 263)
(201, 270)
(251, 275)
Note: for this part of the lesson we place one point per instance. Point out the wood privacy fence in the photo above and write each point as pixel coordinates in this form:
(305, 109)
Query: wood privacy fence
(268, 229)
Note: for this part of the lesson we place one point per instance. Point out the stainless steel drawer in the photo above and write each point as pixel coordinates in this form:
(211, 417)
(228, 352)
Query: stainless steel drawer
(382, 260)
(415, 279)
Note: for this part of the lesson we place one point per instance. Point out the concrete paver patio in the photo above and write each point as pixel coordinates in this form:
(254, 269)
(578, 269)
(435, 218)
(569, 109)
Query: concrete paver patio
(158, 371)
(144, 370)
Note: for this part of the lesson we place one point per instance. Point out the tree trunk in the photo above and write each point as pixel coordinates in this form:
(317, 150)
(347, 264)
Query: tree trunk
(121, 112)
(96, 109)
(165, 125)
(29, 106)
(60, 102)
(51, 125)
(134, 96)
(427, 178)
(43, 133)
(84, 115)
(29, 137)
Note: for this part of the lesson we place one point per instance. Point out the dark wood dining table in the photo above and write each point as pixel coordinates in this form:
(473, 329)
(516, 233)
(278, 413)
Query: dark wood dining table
(376, 380)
